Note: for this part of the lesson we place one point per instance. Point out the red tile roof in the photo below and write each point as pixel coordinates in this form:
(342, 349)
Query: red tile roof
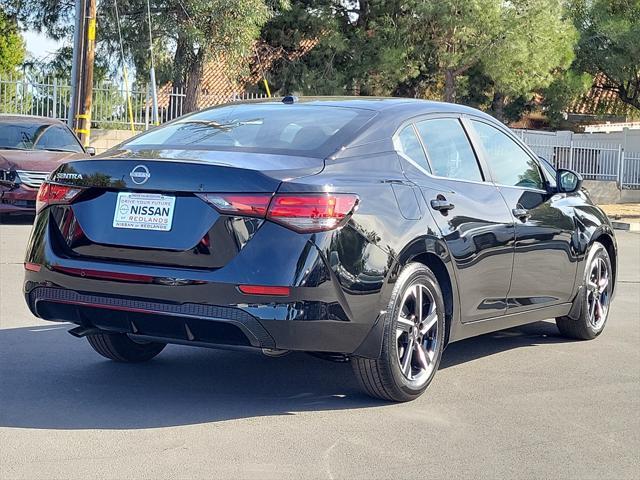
(217, 86)
(599, 100)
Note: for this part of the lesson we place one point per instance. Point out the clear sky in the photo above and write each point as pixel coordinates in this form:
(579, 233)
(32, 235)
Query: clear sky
(39, 45)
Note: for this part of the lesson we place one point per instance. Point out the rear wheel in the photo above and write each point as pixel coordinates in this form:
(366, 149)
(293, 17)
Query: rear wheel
(595, 297)
(119, 347)
(413, 339)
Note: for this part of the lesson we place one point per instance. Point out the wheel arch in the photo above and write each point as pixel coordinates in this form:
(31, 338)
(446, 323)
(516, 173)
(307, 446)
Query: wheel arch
(607, 239)
(432, 252)
(439, 269)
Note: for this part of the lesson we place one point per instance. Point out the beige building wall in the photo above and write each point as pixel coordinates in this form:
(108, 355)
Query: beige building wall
(103, 140)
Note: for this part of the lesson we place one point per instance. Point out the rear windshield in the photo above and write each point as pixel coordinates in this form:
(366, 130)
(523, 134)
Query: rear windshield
(23, 135)
(307, 130)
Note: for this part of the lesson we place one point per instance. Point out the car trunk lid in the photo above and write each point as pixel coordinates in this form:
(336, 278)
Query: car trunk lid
(198, 236)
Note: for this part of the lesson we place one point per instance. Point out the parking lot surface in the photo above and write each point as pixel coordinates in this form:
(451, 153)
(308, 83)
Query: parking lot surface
(522, 403)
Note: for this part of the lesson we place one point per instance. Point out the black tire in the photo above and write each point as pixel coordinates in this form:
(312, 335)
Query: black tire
(119, 347)
(583, 328)
(383, 377)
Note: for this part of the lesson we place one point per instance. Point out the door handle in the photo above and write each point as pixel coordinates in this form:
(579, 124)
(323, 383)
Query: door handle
(442, 205)
(521, 213)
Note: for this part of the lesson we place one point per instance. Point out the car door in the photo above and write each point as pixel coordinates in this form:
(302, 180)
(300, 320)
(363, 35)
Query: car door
(544, 268)
(469, 211)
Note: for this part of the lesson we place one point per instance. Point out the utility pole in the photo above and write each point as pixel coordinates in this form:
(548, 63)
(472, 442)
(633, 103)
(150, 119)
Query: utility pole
(152, 71)
(77, 55)
(84, 54)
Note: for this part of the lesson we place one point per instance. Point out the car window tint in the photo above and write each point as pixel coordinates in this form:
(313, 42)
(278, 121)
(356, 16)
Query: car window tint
(410, 146)
(57, 138)
(310, 130)
(509, 163)
(448, 149)
(27, 135)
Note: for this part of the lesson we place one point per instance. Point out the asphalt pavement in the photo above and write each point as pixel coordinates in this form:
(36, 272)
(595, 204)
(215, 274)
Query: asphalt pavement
(522, 403)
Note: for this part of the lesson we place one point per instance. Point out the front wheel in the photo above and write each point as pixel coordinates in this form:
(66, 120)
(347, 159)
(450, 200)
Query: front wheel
(413, 339)
(595, 297)
(119, 347)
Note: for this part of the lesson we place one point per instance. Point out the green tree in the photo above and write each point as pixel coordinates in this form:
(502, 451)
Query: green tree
(11, 44)
(538, 41)
(456, 35)
(564, 90)
(186, 33)
(490, 53)
(516, 44)
(11, 56)
(610, 44)
(362, 47)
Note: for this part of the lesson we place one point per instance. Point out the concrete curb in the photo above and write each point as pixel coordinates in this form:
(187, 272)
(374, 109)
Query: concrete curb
(628, 226)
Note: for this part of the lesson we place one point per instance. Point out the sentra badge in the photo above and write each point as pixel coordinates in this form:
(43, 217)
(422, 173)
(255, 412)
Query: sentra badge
(68, 176)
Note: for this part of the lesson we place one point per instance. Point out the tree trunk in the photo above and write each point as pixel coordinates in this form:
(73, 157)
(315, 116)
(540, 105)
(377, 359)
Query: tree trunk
(180, 62)
(363, 15)
(497, 105)
(449, 85)
(194, 77)
(627, 97)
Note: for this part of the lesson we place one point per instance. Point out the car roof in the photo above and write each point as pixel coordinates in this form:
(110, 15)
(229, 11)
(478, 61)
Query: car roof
(369, 103)
(18, 119)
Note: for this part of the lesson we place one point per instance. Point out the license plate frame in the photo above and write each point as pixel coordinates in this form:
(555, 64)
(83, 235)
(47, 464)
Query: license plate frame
(144, 211)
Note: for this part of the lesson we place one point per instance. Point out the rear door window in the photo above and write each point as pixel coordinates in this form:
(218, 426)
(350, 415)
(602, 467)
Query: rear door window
(448, 149)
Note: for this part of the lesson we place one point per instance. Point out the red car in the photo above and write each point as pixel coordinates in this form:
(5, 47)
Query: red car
(30, 149)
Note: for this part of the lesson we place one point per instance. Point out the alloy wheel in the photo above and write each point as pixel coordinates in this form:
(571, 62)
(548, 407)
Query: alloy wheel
(417, 334)
(598, 292)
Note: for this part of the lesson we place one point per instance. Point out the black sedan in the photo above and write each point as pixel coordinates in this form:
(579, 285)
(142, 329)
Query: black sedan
(370, 230)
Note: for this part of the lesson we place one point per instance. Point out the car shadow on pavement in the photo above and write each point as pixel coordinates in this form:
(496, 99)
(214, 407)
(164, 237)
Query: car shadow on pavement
(530, 335)
(16, 219)
(50, 380)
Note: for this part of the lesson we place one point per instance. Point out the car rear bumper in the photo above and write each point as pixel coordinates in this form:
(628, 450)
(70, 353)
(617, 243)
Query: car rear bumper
(19, 199)
(203, 307)
(202, 324)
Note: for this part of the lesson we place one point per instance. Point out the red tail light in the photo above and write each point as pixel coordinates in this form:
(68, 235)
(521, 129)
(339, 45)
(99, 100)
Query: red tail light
(50, 194)
(250, 205)
(312, 212)
(304, 212)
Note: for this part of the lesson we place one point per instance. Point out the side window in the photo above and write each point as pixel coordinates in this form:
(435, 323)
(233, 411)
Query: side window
(509, 163)
(410, 146)
(448, 149)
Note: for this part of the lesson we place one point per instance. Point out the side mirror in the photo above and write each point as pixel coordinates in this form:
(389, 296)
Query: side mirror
(568, 181)
(90, 150)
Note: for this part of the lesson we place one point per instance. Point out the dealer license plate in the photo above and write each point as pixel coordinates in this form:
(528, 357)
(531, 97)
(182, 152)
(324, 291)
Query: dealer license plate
(144, 211)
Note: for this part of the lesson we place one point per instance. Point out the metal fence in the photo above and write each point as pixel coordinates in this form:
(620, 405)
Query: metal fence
(630, 170)
(50, 97)
(594, 160)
